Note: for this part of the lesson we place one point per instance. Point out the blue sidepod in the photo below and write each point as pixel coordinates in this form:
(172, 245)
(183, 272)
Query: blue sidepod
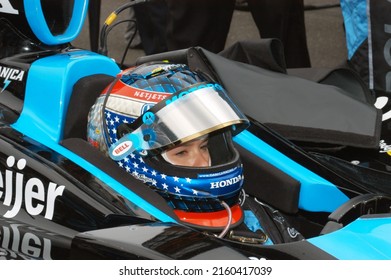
(367, 238)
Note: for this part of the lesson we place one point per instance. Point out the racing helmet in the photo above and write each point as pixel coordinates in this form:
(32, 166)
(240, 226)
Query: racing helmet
(154, 107)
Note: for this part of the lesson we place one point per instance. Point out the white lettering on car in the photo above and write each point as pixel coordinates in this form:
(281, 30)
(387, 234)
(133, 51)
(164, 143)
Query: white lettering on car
(11, 74)
(31, 192)
(17, 244)
(6, 7)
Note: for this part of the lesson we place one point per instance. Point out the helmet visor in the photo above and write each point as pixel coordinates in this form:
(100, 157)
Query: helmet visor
(184, 116)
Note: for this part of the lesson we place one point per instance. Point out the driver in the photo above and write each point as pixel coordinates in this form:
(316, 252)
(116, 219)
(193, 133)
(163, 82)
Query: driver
(172, 128)
(194, 153)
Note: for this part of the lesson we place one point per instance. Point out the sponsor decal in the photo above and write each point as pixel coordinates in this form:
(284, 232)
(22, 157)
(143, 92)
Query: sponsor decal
(293, 233)
(192, 89)
(6, 7)
(149, 96)
(135, 93)
(217, 174)
(17, 191)
(148, 118)
(146, 107)
(144, 179)
(16, 244)
(122, 148)
(226, 183)
(279, 219)
(384, 147)
(9, 75)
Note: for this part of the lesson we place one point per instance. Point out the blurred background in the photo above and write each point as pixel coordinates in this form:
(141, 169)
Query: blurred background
(324, 27)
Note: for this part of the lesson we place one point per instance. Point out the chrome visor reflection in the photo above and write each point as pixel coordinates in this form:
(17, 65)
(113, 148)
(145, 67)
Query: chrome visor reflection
(183, 117)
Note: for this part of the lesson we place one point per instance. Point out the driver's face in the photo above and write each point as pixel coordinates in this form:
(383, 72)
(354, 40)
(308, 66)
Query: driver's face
(194, 153)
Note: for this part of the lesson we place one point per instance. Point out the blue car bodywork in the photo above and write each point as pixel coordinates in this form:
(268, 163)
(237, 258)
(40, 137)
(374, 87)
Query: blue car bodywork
(85, 225)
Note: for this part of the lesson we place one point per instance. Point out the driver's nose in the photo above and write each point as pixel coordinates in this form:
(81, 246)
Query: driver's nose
(201, 159)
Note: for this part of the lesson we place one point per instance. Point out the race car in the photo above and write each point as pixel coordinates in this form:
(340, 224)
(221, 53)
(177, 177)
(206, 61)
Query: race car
(60, 198)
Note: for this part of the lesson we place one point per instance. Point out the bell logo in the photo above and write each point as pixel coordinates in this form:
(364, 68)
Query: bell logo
(6, 7)
(123, 148)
